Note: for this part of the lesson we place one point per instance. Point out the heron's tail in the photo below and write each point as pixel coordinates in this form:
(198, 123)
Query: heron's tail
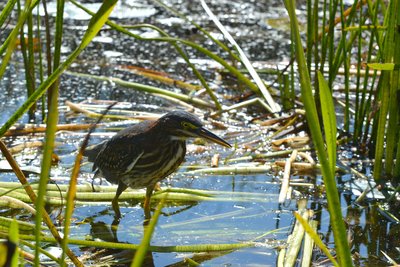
(91, 152)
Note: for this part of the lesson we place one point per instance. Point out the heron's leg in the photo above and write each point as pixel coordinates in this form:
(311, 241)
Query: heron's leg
(146, 205)
(121, 188)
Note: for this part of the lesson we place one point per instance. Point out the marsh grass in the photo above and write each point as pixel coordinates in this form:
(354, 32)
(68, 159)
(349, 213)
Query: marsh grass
(327, 157)
(332, 52)
(51, 82)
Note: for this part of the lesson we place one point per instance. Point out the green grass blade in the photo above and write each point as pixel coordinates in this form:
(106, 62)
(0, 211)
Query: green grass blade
(13, 37)
(94, 27)
(388, 96)
(148, 233)
(394, 94)
(396, 172)
(365, 92)
(146, 88)
(6, 11)
(51, 128)
(161, 249)
(396, 84)
(310, 33)
(381, 66)
(206, 33)
(14, 238)
(329, 120)
(273, 106)
(71, 195)
(26, 45)
(59, 33)
(336, 219)
(381, 126)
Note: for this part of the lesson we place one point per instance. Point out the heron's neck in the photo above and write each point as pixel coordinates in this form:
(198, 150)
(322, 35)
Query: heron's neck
(178, 138)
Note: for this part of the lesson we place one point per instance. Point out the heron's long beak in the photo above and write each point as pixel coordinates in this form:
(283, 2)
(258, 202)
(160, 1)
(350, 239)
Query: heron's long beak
(206, 134)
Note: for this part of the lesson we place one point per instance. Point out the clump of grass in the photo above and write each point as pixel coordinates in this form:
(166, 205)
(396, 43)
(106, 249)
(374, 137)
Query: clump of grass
(94, 27)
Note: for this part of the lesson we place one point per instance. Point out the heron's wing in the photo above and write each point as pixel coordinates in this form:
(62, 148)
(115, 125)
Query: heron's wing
(119, 155)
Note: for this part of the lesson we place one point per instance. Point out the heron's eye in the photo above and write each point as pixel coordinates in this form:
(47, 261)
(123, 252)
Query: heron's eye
(187, 125)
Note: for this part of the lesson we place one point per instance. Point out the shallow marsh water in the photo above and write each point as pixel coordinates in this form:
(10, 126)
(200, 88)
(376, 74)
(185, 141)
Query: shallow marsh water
(205, 222)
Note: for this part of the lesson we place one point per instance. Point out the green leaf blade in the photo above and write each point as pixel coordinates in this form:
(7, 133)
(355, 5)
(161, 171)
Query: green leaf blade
(329, 120)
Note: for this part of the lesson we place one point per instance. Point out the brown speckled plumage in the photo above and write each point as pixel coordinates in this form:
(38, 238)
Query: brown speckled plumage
(144, 154)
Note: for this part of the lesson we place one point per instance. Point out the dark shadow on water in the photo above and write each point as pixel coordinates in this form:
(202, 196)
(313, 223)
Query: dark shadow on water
(100, 230)
(116, 257)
